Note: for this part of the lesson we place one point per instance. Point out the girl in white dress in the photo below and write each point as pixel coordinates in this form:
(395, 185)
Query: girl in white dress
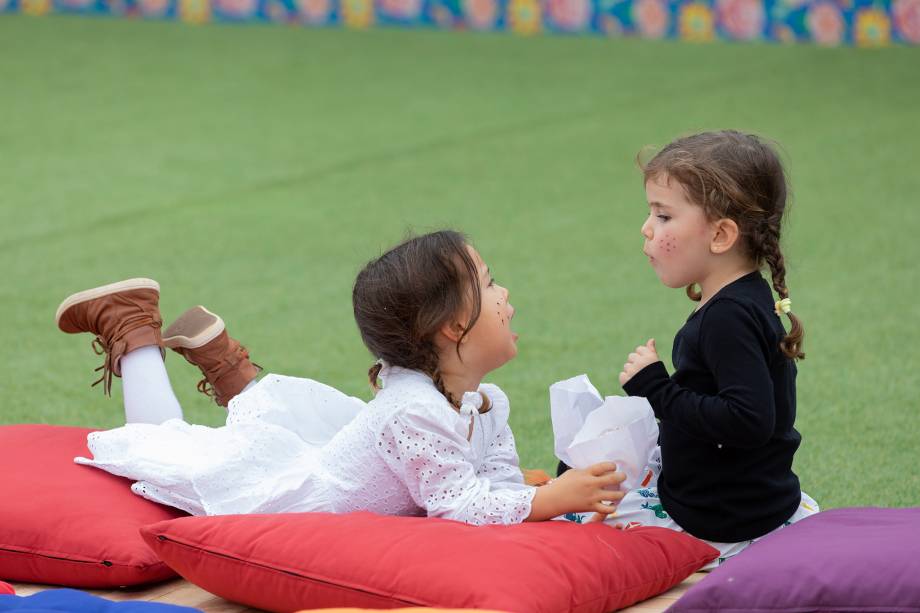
(434, 440)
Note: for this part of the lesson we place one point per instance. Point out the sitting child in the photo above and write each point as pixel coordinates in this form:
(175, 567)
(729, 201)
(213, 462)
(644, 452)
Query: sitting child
(724, 470)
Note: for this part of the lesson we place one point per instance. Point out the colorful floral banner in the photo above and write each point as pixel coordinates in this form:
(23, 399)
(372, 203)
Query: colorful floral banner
(865, 23)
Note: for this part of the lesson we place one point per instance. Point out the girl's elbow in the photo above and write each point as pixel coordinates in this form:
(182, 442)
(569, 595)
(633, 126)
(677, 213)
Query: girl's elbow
(754, 435)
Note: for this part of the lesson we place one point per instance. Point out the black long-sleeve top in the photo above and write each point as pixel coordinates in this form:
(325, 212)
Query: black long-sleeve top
(727, 414)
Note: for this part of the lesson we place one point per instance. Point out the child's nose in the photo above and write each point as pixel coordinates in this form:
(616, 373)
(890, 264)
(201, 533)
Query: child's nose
(647, 228)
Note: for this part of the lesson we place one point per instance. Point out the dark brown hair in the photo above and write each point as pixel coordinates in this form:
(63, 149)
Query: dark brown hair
(739, 177)
(403, 298)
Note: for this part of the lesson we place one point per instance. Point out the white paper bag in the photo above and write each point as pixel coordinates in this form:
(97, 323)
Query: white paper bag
(589, 429)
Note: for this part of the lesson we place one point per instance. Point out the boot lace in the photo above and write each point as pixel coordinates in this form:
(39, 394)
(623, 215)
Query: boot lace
(116, 346)
(208, 386)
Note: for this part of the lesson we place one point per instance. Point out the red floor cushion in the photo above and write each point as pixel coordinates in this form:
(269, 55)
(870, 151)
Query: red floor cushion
(65, 524)
(315, 560)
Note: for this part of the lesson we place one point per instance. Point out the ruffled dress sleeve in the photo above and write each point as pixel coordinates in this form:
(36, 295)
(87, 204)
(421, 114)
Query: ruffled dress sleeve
(426, 447)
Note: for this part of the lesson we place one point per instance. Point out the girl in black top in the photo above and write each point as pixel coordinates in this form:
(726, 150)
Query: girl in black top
(727, 413)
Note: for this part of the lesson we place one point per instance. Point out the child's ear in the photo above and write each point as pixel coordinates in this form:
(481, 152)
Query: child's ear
(725, 235)
(452, 330)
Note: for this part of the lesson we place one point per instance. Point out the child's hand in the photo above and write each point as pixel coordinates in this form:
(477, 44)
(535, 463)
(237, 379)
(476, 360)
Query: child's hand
(579, 491)
(593, 488)
(639, 359)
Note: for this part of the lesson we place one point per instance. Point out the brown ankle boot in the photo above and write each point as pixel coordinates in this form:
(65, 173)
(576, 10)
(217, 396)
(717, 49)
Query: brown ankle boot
(124, 316)
(201, 338)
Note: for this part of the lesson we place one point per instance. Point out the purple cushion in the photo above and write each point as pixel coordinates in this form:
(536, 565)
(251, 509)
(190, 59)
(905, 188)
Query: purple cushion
(861, 559)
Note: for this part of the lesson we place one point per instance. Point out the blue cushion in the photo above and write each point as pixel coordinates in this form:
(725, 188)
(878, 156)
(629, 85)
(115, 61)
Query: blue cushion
(75, 600)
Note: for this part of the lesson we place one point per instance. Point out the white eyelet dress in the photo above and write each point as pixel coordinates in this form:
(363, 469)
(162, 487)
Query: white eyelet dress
(296, 445)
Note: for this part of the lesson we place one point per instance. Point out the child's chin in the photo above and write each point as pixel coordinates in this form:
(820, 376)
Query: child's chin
(511, 355)
(673, 284)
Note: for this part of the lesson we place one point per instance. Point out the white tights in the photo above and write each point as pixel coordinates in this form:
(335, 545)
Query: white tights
(149, 397)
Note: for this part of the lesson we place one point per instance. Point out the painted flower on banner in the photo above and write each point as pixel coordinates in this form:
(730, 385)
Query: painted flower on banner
(525, 16)
(907, 19)
(783, 33)
(651, 18)
(195, 11)
(569, 15)
(76, 4)
(695, 22)
(825, 23)
(314, 11)
(121, 8)
(872, 28)
(742, 19)
(611, 26)
(237, 9)
(35, 7)
(480, 14)
(277, 11)
(153, 8)
(358, 14)
(401, 9)
(442, 16)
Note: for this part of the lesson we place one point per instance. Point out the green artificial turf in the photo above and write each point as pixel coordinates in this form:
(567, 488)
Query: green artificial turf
(254, 169)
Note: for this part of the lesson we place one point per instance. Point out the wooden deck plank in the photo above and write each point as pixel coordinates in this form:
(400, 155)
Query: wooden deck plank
(27, 589)
(144, 592)
(663, 601)
(190, 595)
